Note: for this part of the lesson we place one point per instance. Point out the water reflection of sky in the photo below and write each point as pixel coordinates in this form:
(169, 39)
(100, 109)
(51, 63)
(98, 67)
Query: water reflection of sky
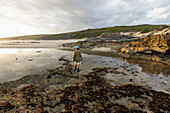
(15, 51)
(18, 62)
(8, 51)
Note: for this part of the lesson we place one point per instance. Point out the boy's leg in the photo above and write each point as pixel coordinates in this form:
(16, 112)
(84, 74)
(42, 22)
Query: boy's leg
(78, 67)
(75, 66)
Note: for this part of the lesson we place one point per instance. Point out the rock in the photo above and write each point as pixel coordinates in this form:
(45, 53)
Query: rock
(116, 72)
(38, 51)
(62, 58)
(123, 50)
(4, 91)
(6, 106)
(149, 44)
(30, 60)
(131, 80)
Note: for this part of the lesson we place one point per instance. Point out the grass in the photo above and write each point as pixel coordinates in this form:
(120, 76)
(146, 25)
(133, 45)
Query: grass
(90, 32)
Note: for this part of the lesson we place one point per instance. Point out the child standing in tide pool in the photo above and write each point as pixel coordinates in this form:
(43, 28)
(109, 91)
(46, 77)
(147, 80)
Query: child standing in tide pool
(77, 58)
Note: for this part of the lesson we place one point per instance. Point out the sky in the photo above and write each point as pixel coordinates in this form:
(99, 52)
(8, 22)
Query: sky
(28, 17)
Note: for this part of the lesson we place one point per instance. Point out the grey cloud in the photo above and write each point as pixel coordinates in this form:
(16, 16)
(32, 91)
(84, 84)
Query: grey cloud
(54, 16)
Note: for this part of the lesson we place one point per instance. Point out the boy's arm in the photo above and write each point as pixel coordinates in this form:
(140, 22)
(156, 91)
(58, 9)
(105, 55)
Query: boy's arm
(74, 56)
(81, 57)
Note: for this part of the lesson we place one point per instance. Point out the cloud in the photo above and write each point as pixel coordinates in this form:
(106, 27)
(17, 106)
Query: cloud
(55, 16)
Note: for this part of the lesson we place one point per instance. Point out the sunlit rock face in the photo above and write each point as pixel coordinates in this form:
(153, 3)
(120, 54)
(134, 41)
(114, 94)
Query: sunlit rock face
(149, 44)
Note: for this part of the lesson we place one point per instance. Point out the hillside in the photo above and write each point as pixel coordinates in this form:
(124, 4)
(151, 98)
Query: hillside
(128, 30)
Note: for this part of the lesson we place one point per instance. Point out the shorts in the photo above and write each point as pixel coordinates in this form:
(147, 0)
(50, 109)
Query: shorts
(77, 63)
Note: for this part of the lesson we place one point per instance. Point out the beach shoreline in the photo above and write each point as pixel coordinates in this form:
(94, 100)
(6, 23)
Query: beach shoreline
(103, 77)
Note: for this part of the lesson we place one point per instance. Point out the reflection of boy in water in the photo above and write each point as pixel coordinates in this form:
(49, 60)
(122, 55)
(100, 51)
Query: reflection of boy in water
(77, 58)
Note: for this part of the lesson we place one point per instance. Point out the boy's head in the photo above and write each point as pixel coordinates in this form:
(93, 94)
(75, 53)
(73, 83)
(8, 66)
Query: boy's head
(77, 47)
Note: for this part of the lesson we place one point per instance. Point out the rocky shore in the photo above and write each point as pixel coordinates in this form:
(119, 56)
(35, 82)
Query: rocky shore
(151, 47)
(112, 88)
(62, 90)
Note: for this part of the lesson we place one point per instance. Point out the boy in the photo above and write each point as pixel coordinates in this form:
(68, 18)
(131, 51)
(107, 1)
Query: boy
(77, 58)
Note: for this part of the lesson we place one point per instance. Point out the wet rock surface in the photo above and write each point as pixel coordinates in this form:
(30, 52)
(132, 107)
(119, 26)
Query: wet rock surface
(29, 93)
(61, 90)
(92, 93)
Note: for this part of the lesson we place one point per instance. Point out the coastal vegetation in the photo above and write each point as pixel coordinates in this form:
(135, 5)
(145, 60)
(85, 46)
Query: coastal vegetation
(91, 32)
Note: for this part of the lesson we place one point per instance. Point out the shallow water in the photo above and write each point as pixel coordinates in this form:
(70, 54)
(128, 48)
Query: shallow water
(18, 62)
(151, 67)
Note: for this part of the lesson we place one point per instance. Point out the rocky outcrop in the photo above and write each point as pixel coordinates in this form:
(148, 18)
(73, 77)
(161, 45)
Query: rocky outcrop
(153, 47)
(148, 45)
